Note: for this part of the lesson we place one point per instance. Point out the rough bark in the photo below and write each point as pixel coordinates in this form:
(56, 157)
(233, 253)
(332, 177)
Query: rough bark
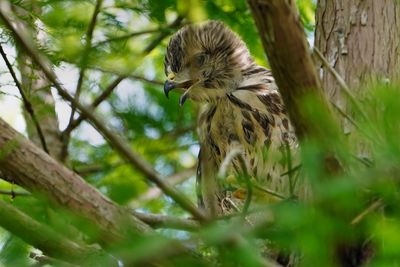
(360, 39)
(285, 44)
(24, 164)
(38, 90)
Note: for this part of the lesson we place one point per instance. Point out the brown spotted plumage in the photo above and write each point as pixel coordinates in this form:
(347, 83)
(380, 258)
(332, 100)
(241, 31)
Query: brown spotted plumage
(241, 111)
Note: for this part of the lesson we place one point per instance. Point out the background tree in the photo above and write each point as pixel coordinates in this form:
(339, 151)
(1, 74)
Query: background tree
(113, 172)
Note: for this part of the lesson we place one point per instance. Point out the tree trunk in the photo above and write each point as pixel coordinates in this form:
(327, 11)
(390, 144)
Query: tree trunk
(359, 39)
(38, 90)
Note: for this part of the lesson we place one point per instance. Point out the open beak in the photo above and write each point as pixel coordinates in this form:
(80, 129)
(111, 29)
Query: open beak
(171, 84)
(168, 86)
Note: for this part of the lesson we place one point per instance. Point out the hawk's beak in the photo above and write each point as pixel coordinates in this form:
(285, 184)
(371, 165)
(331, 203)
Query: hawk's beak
(172, 84)
(168, 86)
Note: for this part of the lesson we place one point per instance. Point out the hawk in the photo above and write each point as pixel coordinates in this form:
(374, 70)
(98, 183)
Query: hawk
(243, 126)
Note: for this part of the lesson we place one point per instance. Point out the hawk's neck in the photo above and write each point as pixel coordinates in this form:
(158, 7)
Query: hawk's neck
(256, 77)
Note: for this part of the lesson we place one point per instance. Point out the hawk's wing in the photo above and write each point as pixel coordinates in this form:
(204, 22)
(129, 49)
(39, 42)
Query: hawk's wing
(253, 118)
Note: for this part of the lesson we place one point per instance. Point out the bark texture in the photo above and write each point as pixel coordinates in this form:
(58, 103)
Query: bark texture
(360, 39)
(38, 91)
(284, 42)
(24, 164)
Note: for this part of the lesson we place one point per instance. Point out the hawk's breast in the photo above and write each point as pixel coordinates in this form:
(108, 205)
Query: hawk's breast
(255, 122)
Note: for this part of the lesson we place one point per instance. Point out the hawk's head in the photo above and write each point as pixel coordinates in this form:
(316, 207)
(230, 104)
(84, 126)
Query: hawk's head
(206, 61)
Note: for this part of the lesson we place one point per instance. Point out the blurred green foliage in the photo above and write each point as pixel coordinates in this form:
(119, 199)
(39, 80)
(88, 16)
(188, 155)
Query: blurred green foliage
(164, 134)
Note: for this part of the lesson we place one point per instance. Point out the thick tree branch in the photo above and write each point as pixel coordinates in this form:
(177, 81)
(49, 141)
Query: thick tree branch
(24, 164)
(48, 240)
(119, 144)
(284, 42)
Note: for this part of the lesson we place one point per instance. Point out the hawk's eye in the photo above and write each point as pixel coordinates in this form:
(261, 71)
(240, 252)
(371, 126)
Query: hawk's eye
(200, 59)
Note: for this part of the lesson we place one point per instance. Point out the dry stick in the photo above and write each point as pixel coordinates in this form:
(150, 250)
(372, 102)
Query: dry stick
(27, 104)
(48, 240)
(85, 56)
(116, 141)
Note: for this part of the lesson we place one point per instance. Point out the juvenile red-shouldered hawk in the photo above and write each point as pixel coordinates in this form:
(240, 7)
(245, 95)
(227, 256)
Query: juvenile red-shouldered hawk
(241, 111)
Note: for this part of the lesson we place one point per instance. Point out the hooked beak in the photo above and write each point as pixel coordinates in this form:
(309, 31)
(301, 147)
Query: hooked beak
(168, 86)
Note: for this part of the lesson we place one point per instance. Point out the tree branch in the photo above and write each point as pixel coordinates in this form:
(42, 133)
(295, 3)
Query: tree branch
(103, 96)
(155, 192)
(176, 23)
(162, 221)
(23, 163)
(27, 104)
(49, 241)
(116, 141)
(126, 36)
(13, 193)
(85, 56)
(284, 42)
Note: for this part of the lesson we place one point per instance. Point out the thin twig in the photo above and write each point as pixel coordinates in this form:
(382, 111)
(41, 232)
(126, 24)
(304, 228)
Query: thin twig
(346, 116)
(269, 191)
(28, 106)
(115, 140)
(155, 192)
(85, 56)
(249, 187)
(127, 36)
(176, 23)
(374, 206)
(48, 240)
(162, 221)
(103, 96)
(13, 193)
(341, 83)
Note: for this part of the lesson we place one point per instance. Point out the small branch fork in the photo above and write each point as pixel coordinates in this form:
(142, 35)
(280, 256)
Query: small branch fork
(85, 56)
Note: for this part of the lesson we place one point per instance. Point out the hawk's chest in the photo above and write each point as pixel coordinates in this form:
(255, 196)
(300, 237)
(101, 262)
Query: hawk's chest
(224, 126)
